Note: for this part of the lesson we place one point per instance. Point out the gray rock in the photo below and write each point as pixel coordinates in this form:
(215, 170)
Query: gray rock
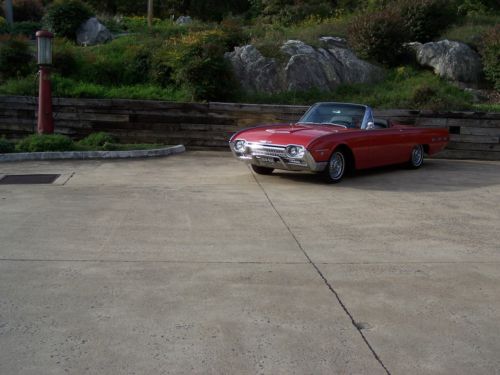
(255, 72)
(305, 67)
(184, 20)
(478, 96)
(451, 60)
(333, 41)
(92, 32)
(296, 47)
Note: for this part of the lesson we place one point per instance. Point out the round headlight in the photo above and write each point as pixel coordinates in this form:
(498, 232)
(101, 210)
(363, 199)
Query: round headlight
(239, 145)
(295, 151)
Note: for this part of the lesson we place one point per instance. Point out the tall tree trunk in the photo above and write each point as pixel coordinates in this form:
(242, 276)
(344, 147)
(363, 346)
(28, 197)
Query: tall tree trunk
(150, 13)
(8, 12)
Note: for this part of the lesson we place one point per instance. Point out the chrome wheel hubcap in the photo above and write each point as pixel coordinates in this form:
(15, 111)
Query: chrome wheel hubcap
(417, 155)
(337, 165)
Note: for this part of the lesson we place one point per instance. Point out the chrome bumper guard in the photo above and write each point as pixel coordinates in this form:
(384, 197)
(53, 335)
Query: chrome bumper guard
(274, 156)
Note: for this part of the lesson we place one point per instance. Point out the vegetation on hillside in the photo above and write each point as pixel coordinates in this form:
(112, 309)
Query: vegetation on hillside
(100, 141)
(175, 62)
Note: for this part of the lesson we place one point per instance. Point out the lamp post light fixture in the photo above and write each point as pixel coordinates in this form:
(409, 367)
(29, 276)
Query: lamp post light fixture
(44, 57)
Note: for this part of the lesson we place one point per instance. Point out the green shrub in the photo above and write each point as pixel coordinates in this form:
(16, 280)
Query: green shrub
(4, 26)
(490, 51)
(26, 86)
(6, 146)
(27, 28)
(64, 17)
(424, 20)
(469, 7)
(97, 139)
(27, 10)
(471, 29)
(45, 142)
(165, 28)
(65, 57)
(288, 12)
(65, 87)
(436, 98)
(16, 58)
(351, 5)
(112, 23)
(234, 32)
(196, 61)
(124, 61)
(422, 95)
(378, 36)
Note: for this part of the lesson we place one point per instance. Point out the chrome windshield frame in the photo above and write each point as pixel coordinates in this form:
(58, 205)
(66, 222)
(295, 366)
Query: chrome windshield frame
(367, 117)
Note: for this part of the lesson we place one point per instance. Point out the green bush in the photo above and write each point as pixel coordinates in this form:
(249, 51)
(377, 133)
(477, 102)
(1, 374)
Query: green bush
(97, 139)
(166, 28)
(471, 29)
(27, 10)
(66, 58)
(424, 20)
(378, 36)
(45, 142)
(26, 86)
(16, 58)
(64, 17)
(125, 61)
(469, 7)
(490, 51)
(27, 28)
(71, 88)
(4, 26)
(6, 146)
(196, 61)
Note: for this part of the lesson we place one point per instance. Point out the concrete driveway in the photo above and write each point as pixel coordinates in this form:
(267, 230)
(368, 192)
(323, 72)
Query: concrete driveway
(193, 265)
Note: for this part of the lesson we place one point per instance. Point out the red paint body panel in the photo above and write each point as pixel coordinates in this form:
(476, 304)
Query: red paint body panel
(370, 148)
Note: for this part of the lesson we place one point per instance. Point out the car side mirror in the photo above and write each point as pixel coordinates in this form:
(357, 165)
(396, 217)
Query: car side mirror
(370, 125)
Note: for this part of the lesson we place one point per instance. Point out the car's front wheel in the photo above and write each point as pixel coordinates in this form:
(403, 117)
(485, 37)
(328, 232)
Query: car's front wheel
(262, 170)
(336, 168)
(416, 157)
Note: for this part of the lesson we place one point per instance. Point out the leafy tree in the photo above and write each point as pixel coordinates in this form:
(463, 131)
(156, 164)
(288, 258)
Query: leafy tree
(65, 17)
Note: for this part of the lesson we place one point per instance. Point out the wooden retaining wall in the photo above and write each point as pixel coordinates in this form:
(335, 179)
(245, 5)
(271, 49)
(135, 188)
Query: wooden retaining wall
(473, 135)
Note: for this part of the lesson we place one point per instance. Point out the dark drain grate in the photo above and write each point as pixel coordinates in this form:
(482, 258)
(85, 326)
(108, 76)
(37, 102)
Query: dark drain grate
(18, 179)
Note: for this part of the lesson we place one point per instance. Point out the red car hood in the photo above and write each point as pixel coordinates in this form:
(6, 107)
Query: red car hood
(288, 134)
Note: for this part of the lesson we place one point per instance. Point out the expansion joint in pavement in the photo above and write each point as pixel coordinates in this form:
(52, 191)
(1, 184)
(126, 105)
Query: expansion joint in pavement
(327, 283)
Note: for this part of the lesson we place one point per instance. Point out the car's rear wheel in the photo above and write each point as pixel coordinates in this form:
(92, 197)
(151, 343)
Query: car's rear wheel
(262, 170)
(336, 167)
(416, 157)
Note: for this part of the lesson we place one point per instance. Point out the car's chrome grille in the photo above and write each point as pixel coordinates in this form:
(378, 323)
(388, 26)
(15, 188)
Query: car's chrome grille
(266, 150)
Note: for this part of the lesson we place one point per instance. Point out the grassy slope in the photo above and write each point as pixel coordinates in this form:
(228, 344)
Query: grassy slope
(95, 75)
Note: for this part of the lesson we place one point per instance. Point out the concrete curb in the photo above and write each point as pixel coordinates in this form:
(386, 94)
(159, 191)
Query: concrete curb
(82, 155)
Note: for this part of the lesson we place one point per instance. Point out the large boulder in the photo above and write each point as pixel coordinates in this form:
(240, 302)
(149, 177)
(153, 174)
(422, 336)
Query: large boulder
(184, 20)
(92, 32)
(449, 59)
(304, 67)
(255, 72)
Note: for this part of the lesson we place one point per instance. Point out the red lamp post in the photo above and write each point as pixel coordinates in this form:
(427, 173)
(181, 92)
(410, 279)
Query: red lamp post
(44, 56)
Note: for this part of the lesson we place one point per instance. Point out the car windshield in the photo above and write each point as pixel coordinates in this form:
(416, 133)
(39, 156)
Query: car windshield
(346, 115)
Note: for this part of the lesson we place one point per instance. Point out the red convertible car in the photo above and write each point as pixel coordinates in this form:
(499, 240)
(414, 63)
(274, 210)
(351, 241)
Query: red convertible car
(332, 138)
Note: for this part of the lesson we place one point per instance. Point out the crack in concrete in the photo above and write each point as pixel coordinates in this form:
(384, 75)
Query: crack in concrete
(327, 283)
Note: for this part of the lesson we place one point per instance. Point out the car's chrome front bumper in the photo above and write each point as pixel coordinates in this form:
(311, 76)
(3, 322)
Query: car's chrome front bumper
(274, 156)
